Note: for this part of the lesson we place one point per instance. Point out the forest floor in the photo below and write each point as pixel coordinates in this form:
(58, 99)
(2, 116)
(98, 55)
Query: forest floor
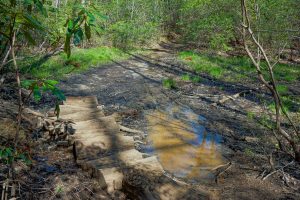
(134, 87)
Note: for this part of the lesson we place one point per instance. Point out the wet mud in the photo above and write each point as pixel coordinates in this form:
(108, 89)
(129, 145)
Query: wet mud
(185, 148)
(190, 135)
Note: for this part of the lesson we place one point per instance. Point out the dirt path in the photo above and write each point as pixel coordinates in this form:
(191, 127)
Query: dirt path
(134, 87)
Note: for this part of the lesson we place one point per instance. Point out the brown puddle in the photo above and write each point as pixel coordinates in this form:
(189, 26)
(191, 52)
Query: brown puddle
(184, 147)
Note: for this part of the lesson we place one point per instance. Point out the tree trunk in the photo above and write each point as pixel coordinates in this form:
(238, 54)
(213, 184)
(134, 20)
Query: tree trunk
(19, 117)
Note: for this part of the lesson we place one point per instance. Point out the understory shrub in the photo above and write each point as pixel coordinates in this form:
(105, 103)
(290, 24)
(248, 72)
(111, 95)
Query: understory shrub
(130, 34)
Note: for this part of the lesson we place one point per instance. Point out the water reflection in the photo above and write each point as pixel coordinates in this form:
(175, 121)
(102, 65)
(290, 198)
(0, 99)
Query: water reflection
(184, 147)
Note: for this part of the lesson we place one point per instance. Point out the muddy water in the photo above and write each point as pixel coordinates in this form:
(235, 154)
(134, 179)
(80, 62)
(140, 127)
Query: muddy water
(183, 145)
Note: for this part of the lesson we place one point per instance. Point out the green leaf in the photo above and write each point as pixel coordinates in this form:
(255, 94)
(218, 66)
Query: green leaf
(70, 25)
(8, 151)
(51, 82)
(91, 18)
(59, 94)
(57, 110)
(28, 2)
(27, 84)
(105, 17)
(33, 22)
(78, 36)
(37, 93)
(47, 87)
(87, 30)
(27, 161)
(67, 47)
(24, 158)
(4, 154)
(40, 7)
(77, 20)
(29, 38)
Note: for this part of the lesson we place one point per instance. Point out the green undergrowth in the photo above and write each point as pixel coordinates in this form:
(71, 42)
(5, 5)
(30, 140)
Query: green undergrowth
(290, 104)
(194, 79)
(234, 69)
(169, 83)
(58, 66)
(228, 69)
(240, 69)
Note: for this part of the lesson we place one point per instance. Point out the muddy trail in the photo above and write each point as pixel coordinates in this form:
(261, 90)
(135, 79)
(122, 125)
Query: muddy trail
(199, 132)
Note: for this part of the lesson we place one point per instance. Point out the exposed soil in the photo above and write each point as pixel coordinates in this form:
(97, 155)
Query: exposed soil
(135, 86)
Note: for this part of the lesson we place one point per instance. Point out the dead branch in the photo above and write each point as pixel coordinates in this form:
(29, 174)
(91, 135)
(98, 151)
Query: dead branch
(5, 58)
(221, 170)
(129, 130)
(32, 112)
(291, 137)
(232, 97)
(222, 100)
(275, 171)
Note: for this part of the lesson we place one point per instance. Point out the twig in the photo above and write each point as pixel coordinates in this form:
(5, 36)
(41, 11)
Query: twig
(129, 130)
(275, 171)
(232, 97)
(229, 165)
(270, 174)
(220, 166)
(5, 58)
(29, 111)
(3, 191)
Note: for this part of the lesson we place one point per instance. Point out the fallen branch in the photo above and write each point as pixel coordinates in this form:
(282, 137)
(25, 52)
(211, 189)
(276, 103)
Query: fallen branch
(270, 174)
(221, 166)
(5, 58)
(129, 130)
(232, 97)
(222, 100)
(221, 170)
(194, 95)
(32, 112)
(168, 175)
(275, 171)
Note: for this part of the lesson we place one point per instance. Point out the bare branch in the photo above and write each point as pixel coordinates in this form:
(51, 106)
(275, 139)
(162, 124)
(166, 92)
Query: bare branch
(291, 137)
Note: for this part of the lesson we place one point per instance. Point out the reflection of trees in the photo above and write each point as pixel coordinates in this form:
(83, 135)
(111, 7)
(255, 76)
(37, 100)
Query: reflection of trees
(170, 138)
(206, 156)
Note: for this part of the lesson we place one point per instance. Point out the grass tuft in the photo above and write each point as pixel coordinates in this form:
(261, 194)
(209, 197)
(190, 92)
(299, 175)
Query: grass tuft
(194, 79)
(186, 77)
(282, 89)
(169, 83)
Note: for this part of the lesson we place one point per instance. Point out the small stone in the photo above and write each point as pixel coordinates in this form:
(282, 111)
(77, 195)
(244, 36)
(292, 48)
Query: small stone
(251, 139)
(137, 137)
(64, 143)
(51, 147)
